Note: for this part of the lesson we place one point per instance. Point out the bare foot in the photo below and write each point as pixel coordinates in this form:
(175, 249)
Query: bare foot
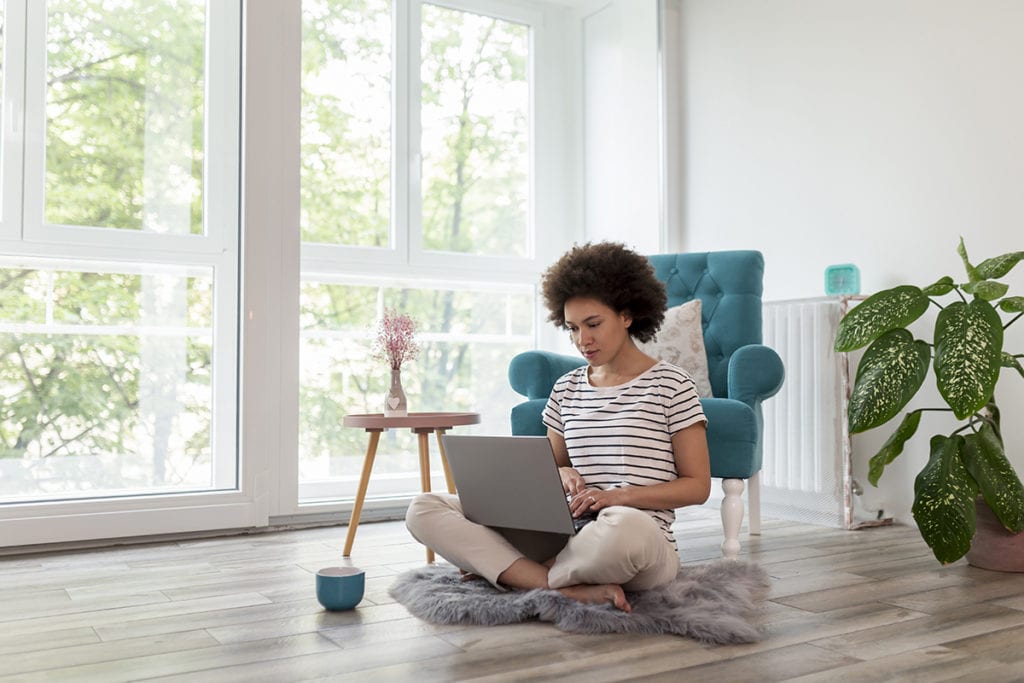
(598, 594)
(467, 576)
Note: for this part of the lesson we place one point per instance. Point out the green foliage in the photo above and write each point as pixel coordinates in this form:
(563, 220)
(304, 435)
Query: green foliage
(890, 373)
(474, 88)
(345, 164)
(893, 446)
(985, 460)
(944, 494)
(94, 396)
(474, 97)
(116, 80)
(967, 356)
(887, 310)
(119, 83)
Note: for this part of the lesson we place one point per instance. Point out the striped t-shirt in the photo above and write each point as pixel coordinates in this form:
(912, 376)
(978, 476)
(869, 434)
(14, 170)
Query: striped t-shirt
(622, 435)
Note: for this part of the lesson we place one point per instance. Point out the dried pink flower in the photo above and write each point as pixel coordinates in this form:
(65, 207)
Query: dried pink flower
(396, 339)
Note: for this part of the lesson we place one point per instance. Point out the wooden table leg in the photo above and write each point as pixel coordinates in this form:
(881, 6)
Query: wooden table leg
(444, 462)
(424, 441)
(357, 508)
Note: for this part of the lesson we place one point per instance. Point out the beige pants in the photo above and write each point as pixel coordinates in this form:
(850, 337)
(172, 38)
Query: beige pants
(623, 546)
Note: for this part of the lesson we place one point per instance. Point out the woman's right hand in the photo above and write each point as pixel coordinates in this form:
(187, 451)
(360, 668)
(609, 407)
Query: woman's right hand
(572, 481)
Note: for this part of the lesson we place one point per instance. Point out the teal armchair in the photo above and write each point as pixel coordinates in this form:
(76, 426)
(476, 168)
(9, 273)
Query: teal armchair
(743, 372)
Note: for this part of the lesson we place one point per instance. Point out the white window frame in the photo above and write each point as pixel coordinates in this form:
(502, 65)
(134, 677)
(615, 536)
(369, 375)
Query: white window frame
(407, 261)
(266, 401)
(235, 500)
(407, 250)
(13, 129)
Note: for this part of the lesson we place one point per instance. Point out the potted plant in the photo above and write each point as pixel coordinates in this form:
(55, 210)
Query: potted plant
(966, 353)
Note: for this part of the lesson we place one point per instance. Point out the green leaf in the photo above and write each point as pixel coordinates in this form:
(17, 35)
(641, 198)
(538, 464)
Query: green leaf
(989, 290)
(1012, 304)
(999, 266)
(944, 494)
(1008, 361)
(887, 310)
(890, 373)
(893, 447)
(940, 288)
(968, 354)
(972, 272)
(985, 459)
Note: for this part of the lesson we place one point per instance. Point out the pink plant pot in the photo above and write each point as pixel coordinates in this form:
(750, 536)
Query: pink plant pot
(993, 546)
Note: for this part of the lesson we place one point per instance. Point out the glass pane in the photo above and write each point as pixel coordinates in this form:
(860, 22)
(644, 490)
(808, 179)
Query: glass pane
(346, 122)
(124, 114)
(475, 133)
(466, 337)
(105, 382)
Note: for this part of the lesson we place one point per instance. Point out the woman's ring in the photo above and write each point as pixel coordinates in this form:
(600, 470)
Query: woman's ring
(592, 500)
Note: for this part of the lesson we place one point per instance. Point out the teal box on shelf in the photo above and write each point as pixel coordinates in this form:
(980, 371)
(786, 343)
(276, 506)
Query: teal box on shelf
(842, 278)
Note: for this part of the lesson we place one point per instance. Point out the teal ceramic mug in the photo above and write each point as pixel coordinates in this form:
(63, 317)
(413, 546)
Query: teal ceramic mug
(340, 588)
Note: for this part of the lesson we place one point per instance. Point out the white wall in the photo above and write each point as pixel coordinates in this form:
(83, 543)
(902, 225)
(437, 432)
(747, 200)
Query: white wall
(874, 132)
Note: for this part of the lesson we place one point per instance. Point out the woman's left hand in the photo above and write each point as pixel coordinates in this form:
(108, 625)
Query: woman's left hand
(595, 500)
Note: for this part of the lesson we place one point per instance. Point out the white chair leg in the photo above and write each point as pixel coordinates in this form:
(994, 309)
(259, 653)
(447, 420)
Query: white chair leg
(732, 517)
(754, 504)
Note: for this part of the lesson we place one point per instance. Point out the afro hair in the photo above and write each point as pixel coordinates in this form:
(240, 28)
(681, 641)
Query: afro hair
(616, 276)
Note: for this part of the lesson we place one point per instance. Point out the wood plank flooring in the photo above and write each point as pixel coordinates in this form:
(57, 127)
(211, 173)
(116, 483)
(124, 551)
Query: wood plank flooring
(870, 605)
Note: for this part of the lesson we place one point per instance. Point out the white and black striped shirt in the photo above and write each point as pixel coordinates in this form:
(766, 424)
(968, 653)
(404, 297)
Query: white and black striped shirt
(622, 435)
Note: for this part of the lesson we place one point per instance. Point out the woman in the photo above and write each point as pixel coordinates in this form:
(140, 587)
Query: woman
(628, 434)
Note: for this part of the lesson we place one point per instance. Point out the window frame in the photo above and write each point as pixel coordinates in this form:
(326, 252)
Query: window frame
(268, 272)
(407, 261)
(406, 251)
(12, 117)
(232, 499)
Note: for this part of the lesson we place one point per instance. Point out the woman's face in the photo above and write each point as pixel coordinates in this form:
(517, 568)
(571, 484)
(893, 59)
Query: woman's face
(597, 330)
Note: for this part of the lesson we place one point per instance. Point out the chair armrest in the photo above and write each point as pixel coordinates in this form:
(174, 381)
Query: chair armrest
(533, 373)
(755, 373)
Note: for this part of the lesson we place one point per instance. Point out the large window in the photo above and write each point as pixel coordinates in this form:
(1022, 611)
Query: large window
(198, 234)
(105, 381)
(118, 270)
(416, 196)
(474, 133)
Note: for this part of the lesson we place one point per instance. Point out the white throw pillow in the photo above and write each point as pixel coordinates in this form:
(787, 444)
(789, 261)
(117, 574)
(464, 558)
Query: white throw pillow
(680, 341)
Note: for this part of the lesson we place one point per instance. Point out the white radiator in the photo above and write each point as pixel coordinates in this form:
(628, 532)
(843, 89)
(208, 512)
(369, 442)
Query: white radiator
(806, 475)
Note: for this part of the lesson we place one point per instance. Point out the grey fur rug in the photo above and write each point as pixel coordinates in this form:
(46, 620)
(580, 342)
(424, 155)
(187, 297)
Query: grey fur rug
(710, 603)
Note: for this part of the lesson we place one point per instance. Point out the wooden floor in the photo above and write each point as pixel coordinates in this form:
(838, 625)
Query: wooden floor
(868, 605)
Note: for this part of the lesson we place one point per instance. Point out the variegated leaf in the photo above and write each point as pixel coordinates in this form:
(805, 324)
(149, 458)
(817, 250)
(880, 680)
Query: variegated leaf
(972, 272)
(968, 351)
(1012, 304)
(944, 494)
(887, 310)
(1008, 361)
(893, 446)
(989, 290)
(999, 266)
(890, 373)
(985, 459)
(941, 287)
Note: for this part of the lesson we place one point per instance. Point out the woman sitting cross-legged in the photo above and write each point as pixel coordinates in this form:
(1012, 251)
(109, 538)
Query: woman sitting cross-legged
(628, 434)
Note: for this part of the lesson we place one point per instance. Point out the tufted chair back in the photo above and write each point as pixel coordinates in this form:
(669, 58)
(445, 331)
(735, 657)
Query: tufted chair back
(729, 286)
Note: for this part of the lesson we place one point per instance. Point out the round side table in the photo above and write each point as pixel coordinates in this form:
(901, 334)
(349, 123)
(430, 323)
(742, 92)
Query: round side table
(421, 424)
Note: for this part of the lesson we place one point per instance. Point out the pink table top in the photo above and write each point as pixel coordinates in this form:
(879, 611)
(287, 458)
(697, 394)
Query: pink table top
(412, 420)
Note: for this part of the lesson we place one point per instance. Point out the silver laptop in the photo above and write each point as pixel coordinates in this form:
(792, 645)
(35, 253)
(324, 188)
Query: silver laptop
(510, 482)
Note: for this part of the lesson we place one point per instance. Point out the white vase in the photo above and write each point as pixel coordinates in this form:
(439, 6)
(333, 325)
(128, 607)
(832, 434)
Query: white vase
(395, 404)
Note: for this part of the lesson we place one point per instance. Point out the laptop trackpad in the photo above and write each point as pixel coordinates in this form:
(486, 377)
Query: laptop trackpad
(539, 546)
